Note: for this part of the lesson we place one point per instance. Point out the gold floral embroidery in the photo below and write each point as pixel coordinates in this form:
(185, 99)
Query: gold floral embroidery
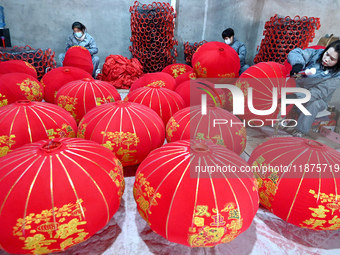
(171, 127)
(6, 143)
(69, 104)
(4, 101)
(31, 90)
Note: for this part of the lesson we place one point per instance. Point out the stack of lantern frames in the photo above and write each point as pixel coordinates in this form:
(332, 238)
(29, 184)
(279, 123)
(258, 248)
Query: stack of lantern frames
(190, 49)
(152, 29)
(281, 35)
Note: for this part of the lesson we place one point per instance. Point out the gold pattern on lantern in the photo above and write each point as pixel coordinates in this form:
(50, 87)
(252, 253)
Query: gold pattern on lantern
(31, 89)
(30, 66)
(68, 103)
(42, 229)
(3, 100)
(64, 131)
(227, 75)
(171, 127)
(243, 85)
(200, 71)
(100, 101)
(81, 130)
(145, 196)
(156, 84)
(243, 134)
(178, 70)
(6, 143)
(118, 179)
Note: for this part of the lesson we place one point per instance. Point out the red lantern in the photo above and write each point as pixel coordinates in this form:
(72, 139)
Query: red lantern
(190, 207)
(216, 60)
(163, 101)
(78, 97)
(218, 125)
(155, 80)
(27, 122)
(57, 193)
(17, 66)
(262, 78)
(130, 130)
(190, 75)
(58, 77)
(299, 181)
(19, 86)
(79, 56)
(177, 69)
(192, 90)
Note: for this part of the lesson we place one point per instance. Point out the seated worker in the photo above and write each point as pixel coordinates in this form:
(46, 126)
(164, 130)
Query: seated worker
(81, 38)
(239, 47)
(321, 85)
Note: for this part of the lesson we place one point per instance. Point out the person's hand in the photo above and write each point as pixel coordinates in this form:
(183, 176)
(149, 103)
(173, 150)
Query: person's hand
(296, 69)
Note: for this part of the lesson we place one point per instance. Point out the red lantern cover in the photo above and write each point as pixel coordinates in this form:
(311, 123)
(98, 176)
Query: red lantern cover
(190, 75)
(27, 122)
(163, 101)
(80, 96)
(19, 86)
(177, 69)
(190, 206)
(190, 123)
(79, 56)
(56, 193)
(155, 80)
(58, 77)
(130, 130)
(216, 60)
(299, 181)
(17, 66)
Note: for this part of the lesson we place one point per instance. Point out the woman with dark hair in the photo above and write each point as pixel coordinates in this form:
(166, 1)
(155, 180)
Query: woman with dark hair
(321, 85)
(81, 38)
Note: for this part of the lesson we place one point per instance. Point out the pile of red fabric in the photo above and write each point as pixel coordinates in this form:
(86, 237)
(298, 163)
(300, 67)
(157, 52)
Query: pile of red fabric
(120, 71)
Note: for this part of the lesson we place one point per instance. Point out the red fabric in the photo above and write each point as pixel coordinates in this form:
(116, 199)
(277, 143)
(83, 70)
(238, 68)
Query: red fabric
(79, 56)
(307, 194)
(120, 71)
(196, 212)
(154, 80)
(216, 60)
(190, 75)
(57, 190)
(163, 101)
(130, 130)
(26, 122)
(191, 92)
(189, 123)
(17, 66)
(176, 70)
(58, 77)
(19, 86)
(80, 96)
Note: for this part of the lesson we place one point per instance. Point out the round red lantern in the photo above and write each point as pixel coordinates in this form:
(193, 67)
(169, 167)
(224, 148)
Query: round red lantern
(216, 60)
(80, 96)
(58, 77)
(79, 56)
(17, 66)
(130, 130)
(299, 181)
(190, 75)
(27, 122)
(164, 102)
(191, 91)
(57, 193)
(155, 80)
(217, 125)
(177, 69)
(185, 204)
(19, 86)
(261, 78)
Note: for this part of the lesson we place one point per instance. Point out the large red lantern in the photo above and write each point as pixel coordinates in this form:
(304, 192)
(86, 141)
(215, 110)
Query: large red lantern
(177, 69)
(185, 204)
(17, 66)
(191, 91)
(19, 86)
(27, 122)
(130, 130)
(56, 193)
(58, 77)
(216, 60)
(155, 80)
(80, 96)
(217, 125)
(79, 56)
(261, 78)
(163, 101)
(299, 181)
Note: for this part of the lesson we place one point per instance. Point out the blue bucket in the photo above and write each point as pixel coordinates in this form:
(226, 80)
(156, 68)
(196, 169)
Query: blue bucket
(2, 18)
